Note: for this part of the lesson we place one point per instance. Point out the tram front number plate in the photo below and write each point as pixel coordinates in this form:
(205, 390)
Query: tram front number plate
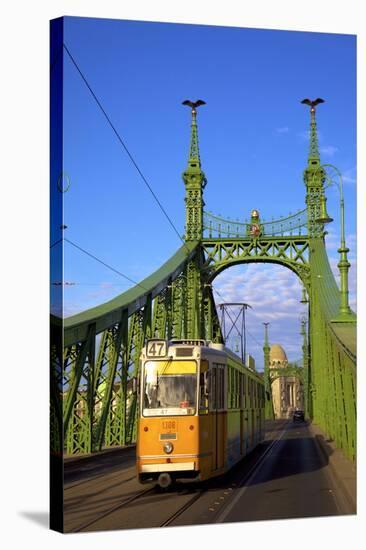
(156, 348)
(169, 426)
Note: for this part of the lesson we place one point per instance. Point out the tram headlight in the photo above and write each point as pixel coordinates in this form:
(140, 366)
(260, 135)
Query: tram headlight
(168, 447)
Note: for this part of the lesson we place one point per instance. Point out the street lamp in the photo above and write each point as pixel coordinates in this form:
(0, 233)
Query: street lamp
(304, 299)
(345, 314)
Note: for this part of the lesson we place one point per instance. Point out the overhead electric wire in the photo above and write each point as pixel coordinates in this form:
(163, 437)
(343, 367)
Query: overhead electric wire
(104, 263)
(56, 58)
(255, 340)
(124, 145)
(218, 293)
(54, 244)
(246, 329)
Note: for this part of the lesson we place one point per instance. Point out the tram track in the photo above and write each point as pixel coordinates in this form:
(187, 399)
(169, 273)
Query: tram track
(240, 484)
(134, 498)
(172, 496)
(114, 508)
(93, 478)
(185, 507)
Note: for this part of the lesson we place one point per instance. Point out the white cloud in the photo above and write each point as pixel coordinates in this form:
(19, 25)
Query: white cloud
(274, 293)
(349, 176)
(282, 130)
(328, 150)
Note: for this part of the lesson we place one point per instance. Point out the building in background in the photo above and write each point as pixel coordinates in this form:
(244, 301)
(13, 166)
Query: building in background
(287, 390)
(250, 362)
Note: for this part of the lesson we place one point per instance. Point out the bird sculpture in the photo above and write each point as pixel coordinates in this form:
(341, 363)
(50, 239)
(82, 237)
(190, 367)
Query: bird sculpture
(313, 103)
(194, 104)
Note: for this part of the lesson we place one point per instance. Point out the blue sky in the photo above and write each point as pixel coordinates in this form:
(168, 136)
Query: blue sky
(253, 142)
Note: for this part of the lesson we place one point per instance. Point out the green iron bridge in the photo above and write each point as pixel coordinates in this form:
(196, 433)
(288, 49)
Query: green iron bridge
(95, 354)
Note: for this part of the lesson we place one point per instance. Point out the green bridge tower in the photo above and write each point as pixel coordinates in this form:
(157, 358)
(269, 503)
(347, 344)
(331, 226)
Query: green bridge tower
(95, 354)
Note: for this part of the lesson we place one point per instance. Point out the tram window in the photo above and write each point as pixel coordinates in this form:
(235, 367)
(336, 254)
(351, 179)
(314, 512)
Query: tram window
(244, 391)
(237, 389)
(204, 387)
(220, 385)
(231, 387)
(255, 395)
(229, 390)
(218, 388)
(241, 390)
(203, 395)
(213, 383)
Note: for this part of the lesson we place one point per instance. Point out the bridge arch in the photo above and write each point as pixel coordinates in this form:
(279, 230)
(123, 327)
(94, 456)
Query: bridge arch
(302, 272)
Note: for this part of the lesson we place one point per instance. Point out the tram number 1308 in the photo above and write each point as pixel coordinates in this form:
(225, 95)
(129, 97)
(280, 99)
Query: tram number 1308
(156, 348)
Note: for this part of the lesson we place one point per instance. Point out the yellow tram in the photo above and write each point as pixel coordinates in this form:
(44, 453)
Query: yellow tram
(200, 411)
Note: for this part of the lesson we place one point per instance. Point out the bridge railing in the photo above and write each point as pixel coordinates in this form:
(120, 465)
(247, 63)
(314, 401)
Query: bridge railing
(333, 357)
(95, 355)
(218, 227)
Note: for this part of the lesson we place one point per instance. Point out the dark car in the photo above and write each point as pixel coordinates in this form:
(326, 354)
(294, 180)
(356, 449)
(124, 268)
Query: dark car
(298, 416)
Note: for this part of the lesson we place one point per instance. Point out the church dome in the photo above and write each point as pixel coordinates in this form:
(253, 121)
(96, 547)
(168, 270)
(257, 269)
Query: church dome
(277, 353)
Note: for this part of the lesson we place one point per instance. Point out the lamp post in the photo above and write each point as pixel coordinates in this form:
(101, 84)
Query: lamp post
(305, 365)
(345, 314)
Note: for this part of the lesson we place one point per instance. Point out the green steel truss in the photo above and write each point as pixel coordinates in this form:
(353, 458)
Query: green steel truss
(293, 252)
(93, 405)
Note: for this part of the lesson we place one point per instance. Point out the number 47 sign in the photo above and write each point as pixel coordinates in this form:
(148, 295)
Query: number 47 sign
(156, 348)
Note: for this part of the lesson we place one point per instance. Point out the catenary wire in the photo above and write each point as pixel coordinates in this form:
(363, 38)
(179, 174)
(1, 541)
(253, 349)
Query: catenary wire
(104, 263)
(54, 244)
(124, 146)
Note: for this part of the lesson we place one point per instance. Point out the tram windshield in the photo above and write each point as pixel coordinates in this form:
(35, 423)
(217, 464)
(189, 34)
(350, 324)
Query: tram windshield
(169, 388)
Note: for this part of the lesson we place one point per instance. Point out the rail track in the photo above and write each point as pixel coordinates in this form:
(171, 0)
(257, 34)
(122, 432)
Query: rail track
(167, 496)
(113, 509)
